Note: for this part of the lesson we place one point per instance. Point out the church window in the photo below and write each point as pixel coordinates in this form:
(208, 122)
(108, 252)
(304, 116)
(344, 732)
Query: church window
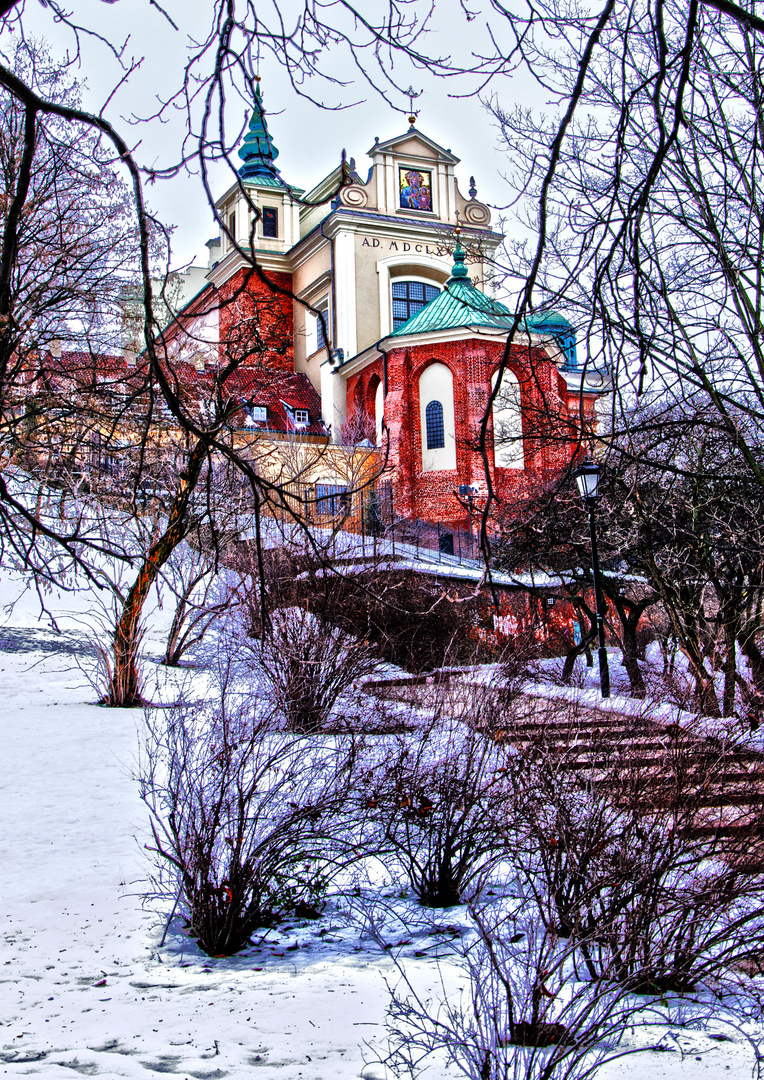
(322, 325)
(270, 221)
(232, 227)
(436, 413)
(379, 410)
(436, 436)
(409, 297)
(508, 423)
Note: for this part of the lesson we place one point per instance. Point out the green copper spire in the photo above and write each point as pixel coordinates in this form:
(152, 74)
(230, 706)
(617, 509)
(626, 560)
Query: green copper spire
(459, 270)
(257, 151)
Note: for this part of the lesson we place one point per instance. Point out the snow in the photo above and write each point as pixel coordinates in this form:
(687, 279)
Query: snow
(85, 986)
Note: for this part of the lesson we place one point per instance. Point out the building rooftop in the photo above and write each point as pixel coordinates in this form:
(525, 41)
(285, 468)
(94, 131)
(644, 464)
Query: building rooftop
(461, 304)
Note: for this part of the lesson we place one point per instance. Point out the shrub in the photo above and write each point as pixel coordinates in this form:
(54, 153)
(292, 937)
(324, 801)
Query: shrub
(308, 664)
(617, 839)
(245, 819)
(433, 798)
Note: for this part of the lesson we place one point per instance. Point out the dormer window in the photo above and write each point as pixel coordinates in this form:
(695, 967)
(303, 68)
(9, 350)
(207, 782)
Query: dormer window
(270, 218)
(260, 414)
(301, 418)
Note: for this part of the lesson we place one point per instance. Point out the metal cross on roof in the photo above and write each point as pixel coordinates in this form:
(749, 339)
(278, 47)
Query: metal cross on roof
(411, 94)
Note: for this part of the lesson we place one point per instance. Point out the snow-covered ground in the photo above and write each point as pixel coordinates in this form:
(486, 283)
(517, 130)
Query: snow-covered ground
(85, 986)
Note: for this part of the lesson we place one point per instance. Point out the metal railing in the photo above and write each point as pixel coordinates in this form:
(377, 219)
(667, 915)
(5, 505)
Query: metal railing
(362, 524)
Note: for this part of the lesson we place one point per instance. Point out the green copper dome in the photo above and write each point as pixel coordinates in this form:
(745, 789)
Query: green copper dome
(557, 326)
(459, 304)
(257, 151)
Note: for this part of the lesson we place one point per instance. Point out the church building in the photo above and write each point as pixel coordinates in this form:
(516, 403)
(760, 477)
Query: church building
(371, 305)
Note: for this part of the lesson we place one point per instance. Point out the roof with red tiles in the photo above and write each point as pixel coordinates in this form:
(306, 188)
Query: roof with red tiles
(286, 397)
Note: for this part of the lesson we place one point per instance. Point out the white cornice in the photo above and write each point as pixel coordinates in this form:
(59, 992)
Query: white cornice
(273, 261)
(319, 285)
(589, 383)
(384, 227)
(306, 248)
(235, 190)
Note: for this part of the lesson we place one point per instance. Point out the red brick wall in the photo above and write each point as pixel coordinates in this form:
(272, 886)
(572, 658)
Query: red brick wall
(256, 324)
(548, 434)
(361, 393)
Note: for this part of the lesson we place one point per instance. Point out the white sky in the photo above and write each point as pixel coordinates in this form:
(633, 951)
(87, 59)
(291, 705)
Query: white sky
(309, 139)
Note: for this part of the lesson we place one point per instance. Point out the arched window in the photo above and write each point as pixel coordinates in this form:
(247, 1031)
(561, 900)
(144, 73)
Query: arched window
(379, 410)
(508, 423)
(435, 433)
(409, 297)
(436, 417)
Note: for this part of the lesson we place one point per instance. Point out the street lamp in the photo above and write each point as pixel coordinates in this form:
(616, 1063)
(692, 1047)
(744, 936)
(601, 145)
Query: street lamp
(468, 492)
(587, 477)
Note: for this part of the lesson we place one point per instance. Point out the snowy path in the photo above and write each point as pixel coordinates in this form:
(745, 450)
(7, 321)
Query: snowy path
(83, 985)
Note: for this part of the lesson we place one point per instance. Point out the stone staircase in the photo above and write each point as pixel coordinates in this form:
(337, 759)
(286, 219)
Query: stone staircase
(715, 789)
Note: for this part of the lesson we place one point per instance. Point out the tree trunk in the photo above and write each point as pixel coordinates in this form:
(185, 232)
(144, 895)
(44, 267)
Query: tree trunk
(631, 663)
(752, 653)
(630, 612)
(174, 649)
(583, 647)
(124, 688)
(730, 665)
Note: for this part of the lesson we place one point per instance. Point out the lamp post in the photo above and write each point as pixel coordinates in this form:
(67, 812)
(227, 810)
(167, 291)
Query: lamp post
(468, 492)
(587, 477)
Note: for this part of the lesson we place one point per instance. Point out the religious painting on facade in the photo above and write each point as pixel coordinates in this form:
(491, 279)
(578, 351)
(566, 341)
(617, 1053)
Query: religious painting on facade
(416, 189)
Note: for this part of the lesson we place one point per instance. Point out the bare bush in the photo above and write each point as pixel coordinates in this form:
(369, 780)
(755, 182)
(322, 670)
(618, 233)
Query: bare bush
(202, 595)
(617, 838)
(525, 1014)
(245, 819)
(621, 892)
(308, 664)
(433, 799)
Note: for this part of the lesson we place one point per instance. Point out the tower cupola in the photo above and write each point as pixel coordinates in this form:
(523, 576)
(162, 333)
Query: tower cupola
(257, 150)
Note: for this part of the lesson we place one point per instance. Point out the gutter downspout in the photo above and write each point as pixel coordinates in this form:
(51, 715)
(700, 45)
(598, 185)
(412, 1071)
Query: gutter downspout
(334, 288)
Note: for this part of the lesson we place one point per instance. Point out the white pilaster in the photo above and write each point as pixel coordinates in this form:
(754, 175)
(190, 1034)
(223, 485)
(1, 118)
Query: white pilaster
(344, 291)
(333, 400)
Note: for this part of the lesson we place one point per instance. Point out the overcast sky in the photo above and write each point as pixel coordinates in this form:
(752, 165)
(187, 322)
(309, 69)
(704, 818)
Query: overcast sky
(309, 140)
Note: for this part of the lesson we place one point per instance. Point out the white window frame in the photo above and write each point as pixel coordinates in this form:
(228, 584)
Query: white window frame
(436, 383)
(440, 265)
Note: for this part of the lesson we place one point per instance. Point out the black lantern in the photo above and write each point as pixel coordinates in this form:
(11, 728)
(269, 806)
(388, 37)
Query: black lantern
(587, 476)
